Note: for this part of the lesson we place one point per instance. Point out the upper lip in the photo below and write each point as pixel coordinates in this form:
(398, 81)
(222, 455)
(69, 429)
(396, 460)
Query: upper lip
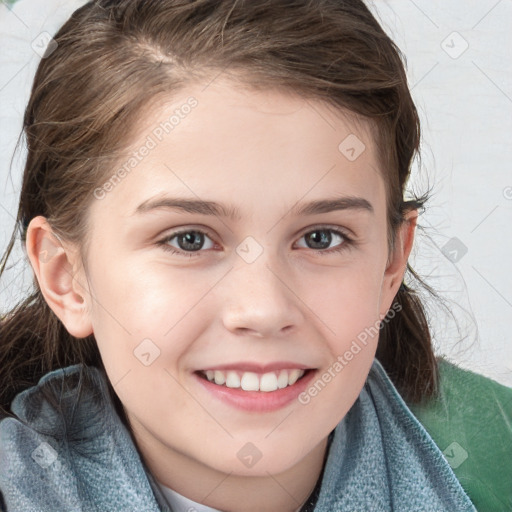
(258, 368)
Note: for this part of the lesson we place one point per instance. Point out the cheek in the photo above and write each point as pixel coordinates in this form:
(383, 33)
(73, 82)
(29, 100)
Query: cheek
(147, 317)
(144, 330)
(345, 310)
(344, 300)
(145, 299)
(348, 318)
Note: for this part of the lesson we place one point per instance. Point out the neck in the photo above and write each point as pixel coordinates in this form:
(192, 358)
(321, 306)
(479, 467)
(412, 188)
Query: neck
(281, 492)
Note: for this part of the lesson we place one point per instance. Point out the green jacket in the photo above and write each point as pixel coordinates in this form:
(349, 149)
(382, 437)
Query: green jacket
(471, 422)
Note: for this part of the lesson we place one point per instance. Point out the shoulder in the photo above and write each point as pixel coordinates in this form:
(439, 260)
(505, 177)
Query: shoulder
(471, 422)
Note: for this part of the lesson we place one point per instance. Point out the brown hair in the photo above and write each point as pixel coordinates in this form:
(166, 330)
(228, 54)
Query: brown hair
(115, 57)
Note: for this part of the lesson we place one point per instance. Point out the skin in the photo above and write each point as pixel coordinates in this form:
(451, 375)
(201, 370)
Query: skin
(262, 152)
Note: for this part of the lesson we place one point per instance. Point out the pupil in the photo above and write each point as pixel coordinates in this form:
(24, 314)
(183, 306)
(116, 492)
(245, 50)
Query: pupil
(323, 238)
(188, 238)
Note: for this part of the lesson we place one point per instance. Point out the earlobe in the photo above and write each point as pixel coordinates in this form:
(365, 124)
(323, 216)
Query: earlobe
(55, 270)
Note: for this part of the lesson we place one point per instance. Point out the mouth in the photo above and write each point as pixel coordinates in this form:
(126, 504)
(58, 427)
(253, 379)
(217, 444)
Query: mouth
(253, 381)
(255, 391)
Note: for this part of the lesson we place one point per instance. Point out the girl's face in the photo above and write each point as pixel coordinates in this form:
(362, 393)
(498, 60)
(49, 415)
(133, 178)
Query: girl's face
(281, 269)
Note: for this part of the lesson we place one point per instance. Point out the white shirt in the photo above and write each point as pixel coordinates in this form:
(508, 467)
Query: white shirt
(180, 503)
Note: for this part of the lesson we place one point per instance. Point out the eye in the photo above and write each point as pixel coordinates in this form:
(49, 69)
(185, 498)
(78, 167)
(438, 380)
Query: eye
(188, 241)
(320, 238)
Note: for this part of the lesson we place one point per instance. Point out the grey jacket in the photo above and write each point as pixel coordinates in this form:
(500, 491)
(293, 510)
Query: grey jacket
(66, 452)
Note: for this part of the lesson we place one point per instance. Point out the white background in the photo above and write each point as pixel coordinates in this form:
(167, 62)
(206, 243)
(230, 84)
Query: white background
(458, 54)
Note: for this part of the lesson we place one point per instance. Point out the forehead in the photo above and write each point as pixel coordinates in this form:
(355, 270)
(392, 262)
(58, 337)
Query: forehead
(246, 146)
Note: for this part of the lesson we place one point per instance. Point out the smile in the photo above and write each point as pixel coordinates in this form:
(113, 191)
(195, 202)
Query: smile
(251, 381)
(255, 391)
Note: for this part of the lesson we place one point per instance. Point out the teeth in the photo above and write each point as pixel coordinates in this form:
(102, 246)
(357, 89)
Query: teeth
(219, 377)
(250, 381)
(294, 376)
(268, 382)
(232, 380)
(282, 380)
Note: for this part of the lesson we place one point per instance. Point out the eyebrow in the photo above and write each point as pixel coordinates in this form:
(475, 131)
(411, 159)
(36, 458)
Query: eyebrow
(213, 208)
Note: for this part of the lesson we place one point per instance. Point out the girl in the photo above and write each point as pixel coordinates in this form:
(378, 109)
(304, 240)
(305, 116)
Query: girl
(213, 207)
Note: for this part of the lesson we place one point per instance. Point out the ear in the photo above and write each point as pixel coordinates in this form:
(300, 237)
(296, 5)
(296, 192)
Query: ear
(397, 262)
(62, 285)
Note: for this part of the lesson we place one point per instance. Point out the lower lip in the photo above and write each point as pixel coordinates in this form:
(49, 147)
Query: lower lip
(258, 401)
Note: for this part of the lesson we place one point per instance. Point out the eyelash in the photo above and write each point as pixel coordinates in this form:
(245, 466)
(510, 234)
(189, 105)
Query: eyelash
(347, 243)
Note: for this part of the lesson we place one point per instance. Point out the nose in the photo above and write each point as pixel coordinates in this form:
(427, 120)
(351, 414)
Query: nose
(260, 300)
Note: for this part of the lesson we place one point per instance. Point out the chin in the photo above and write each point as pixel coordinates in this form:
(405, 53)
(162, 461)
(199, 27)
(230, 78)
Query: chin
(259, 459)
